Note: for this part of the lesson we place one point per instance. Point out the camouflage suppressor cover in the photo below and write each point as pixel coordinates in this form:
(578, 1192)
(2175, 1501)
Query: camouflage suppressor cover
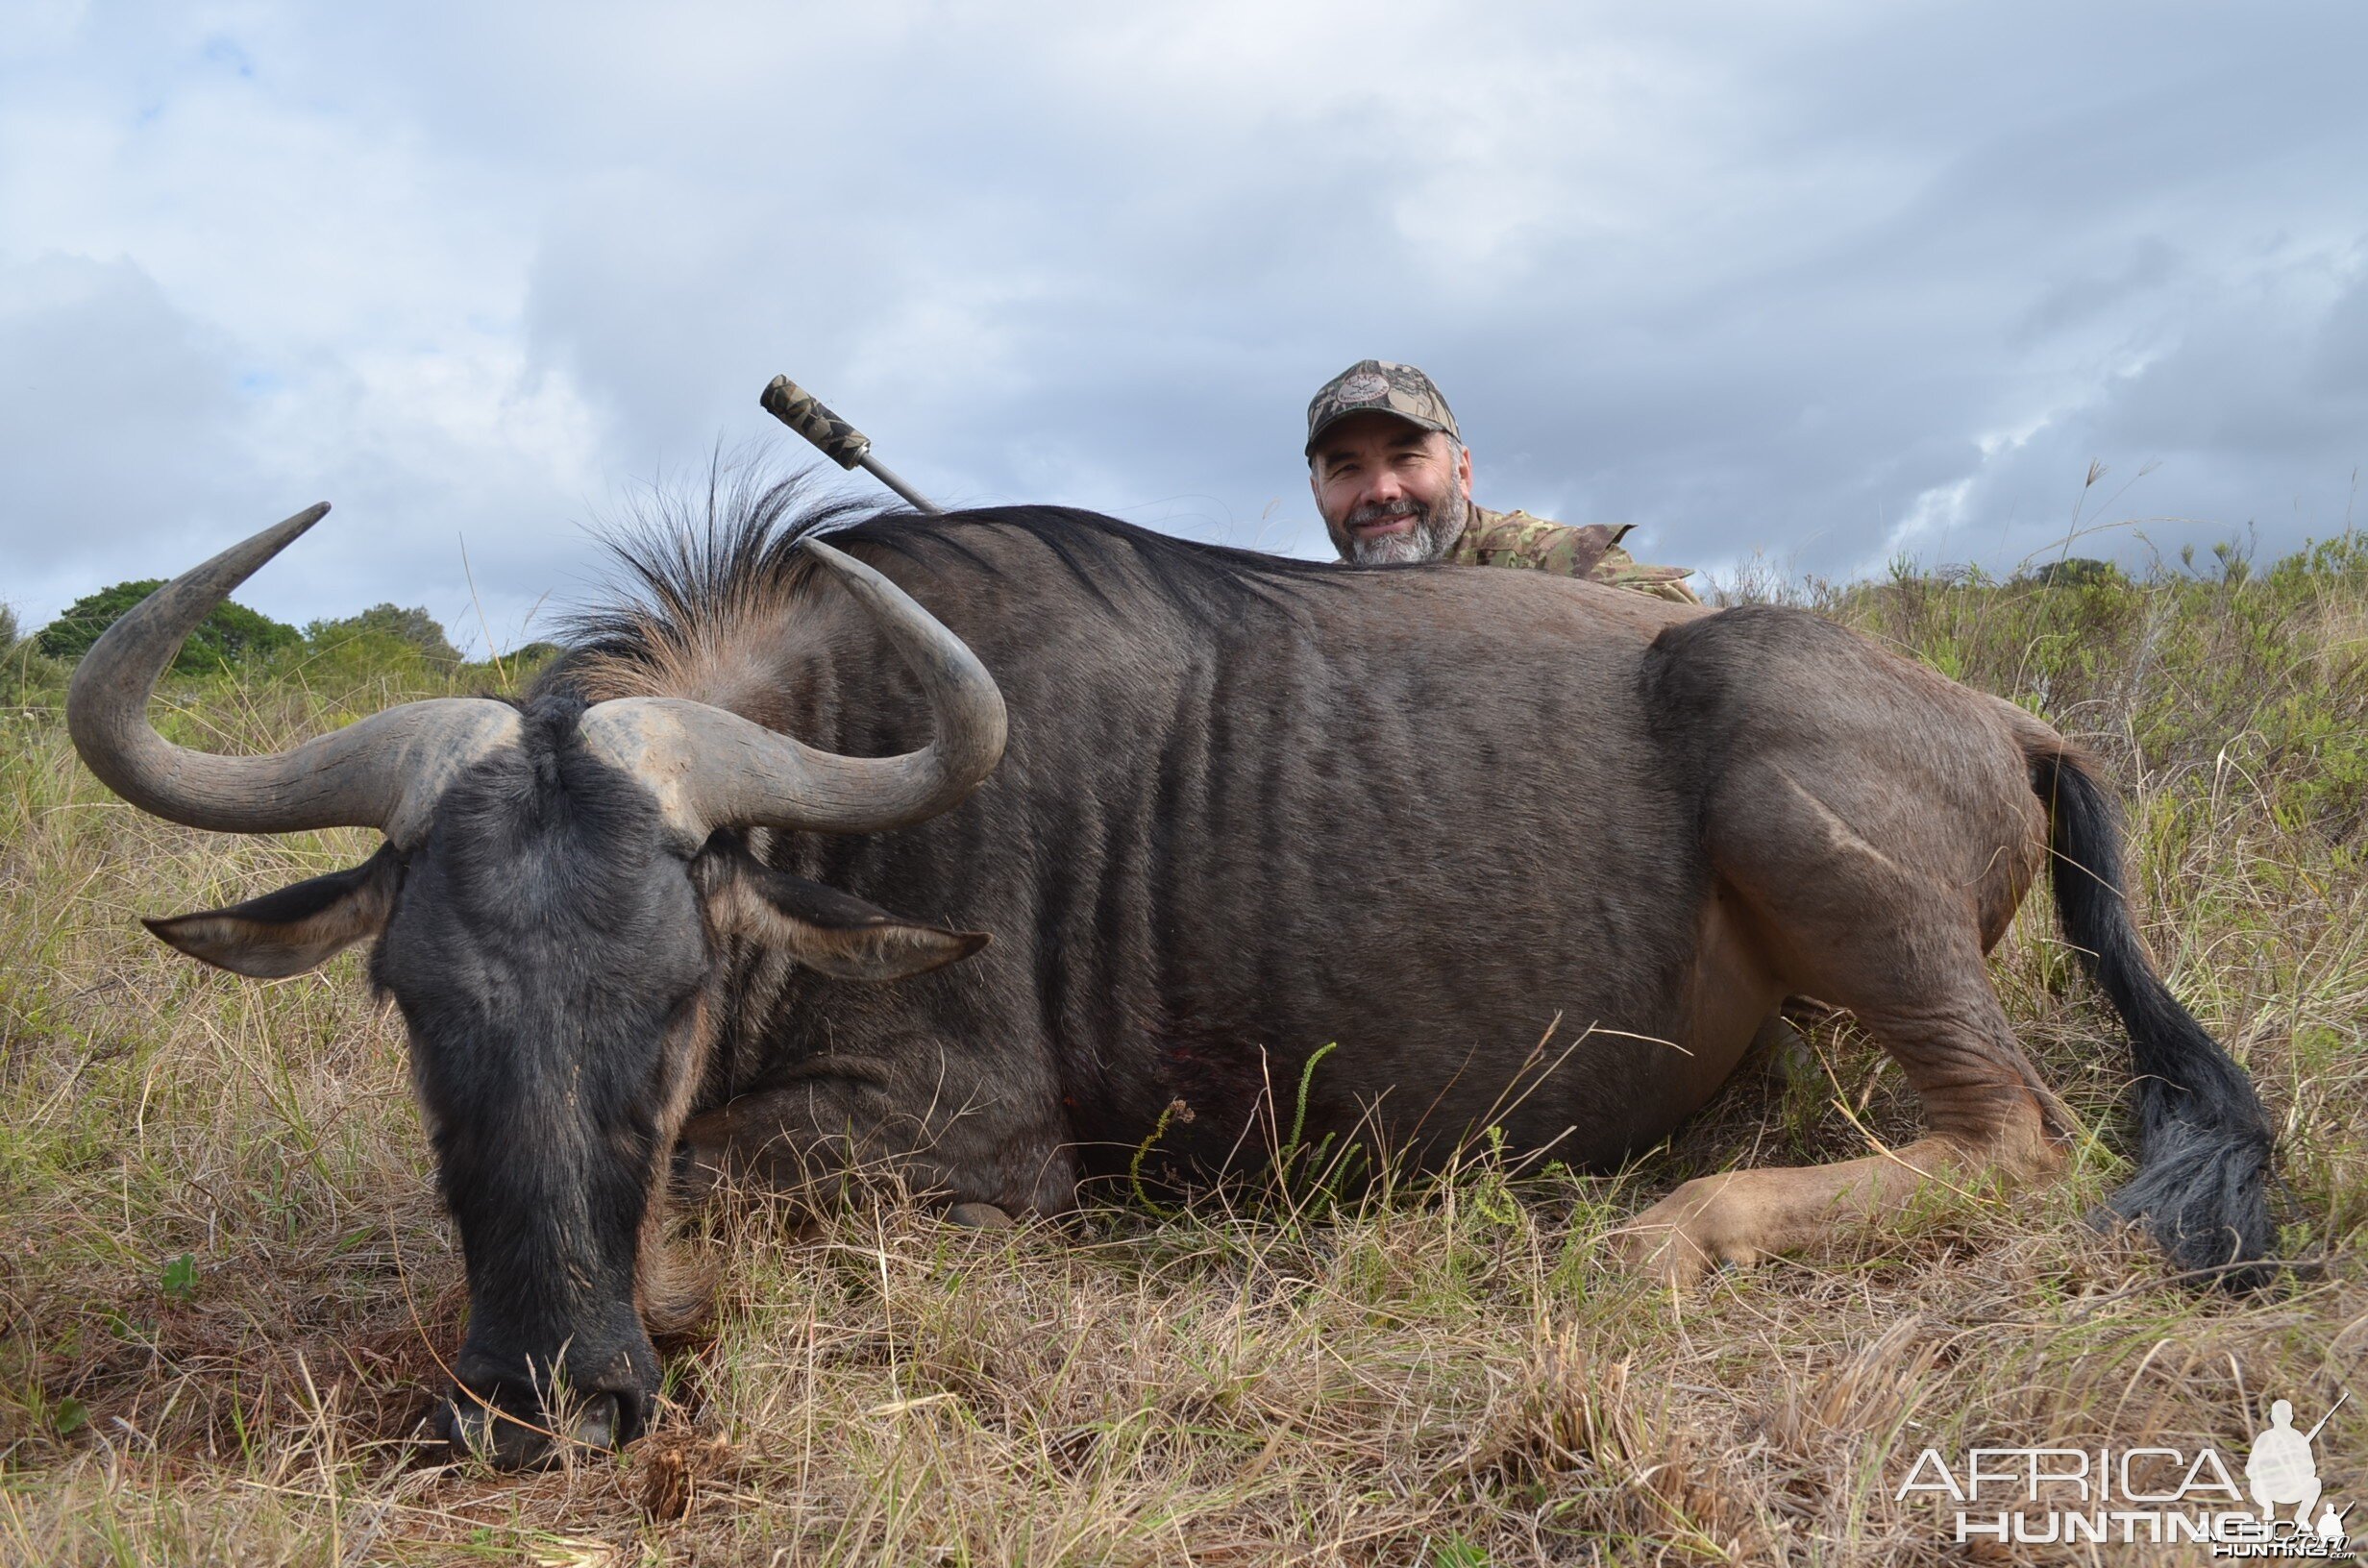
(804, 412)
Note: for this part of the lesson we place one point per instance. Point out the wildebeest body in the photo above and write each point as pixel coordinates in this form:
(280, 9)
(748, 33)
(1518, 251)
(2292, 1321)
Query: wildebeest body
(1531, 854)
(1423, 814)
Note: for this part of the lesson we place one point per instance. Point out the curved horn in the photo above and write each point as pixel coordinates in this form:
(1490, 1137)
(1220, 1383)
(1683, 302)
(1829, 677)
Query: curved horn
(383, 771)
(714, 768)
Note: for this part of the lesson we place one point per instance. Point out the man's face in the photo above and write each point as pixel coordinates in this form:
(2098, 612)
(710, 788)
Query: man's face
(1389, 490)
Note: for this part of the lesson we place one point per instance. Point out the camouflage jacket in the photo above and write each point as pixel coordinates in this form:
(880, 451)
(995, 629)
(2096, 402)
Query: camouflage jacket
(1594, 552)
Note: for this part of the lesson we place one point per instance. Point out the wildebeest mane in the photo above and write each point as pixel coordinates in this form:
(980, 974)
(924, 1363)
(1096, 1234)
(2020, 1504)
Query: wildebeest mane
(702, 576)
(1206, 581)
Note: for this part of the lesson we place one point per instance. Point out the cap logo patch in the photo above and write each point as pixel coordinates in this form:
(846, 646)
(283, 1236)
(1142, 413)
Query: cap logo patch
(1364, 388)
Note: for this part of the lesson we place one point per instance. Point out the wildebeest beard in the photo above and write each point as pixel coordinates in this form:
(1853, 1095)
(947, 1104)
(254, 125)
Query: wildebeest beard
(1434, 533)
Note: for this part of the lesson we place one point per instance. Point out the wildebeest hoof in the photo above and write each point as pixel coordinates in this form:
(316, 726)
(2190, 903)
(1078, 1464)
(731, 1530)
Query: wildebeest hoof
(1684, 1237)
(689, 1178)
(1664, 1255)
(979, 1216)
(1783, 1052)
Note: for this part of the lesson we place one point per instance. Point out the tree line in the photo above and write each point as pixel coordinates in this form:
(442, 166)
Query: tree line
(234, 634)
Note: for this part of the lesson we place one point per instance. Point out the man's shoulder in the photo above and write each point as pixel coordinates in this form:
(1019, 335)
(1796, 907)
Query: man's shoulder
(1518, 539)
(1591, 550)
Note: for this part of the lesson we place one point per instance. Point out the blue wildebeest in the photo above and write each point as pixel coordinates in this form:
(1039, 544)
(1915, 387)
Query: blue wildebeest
(1246, 807)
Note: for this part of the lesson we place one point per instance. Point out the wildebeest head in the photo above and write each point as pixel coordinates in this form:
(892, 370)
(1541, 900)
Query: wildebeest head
(550, 908)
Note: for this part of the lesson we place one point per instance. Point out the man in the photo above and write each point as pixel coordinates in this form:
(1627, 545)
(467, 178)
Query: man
(1393, 479)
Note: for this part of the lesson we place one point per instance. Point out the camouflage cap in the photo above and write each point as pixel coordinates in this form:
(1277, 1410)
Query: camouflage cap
(1378, 385)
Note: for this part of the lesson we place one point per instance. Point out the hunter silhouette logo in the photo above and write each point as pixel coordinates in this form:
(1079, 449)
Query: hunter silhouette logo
(2282, 1472)
(2150, 1493)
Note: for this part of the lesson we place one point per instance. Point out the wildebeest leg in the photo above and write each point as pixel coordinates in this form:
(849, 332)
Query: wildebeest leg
(913, 1116)
(1984, 1116)
(1891, 930)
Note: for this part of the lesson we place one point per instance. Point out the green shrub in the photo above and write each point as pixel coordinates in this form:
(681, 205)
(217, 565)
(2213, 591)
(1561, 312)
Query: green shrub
(231, 634)
(27, 680)
(413, 629)
(2072, 572)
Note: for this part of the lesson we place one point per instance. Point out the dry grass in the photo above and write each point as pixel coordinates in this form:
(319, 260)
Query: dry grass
(1442, 1378)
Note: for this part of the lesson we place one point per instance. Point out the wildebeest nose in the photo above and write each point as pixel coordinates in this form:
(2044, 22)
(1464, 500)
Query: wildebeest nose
(511, 1443)
(597, 1424)
(494, 1436)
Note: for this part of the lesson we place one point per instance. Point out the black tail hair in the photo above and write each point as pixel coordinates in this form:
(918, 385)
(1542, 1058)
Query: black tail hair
(2204, 1142)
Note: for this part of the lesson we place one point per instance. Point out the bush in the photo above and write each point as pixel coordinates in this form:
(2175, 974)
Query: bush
(231, 634)
(2072, 572)
(26, 678)
(413, 629)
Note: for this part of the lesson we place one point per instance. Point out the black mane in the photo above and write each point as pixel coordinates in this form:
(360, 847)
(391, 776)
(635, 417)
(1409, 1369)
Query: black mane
(1090, 545)
(688, 560)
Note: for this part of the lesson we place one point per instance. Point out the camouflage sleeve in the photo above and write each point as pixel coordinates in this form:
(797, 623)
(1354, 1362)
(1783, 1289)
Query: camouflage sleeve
(1622, 570)
(1592, 551)
(1513, 539)
(1563, 551)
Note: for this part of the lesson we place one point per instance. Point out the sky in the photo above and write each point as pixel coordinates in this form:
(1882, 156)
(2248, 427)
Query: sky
(1809, 288)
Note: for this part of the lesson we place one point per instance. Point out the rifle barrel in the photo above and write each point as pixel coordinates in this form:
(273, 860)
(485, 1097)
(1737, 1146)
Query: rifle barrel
(881, 472)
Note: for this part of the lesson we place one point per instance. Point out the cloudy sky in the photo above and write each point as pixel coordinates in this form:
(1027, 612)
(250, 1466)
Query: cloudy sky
(1819, 283)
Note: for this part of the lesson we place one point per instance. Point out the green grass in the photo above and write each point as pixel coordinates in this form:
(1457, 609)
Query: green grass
(227, 1288)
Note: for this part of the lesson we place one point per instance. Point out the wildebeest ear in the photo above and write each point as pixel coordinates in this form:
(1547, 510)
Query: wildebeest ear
(295, 929)
(829, 930)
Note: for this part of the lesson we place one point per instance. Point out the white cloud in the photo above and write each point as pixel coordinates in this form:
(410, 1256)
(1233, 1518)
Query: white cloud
(1826, 281)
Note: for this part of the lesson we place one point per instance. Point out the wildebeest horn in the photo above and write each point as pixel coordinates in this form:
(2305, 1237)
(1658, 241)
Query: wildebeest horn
(714, 768)
(385, 771)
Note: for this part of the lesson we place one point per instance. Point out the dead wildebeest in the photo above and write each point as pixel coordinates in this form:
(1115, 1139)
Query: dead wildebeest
(1247, 807)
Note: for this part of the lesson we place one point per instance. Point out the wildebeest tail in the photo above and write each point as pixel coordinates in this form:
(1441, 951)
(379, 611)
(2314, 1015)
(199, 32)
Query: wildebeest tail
(2204, 1139)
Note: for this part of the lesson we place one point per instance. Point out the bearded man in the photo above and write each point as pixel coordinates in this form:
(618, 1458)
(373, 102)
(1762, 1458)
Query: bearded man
(1393, 479)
